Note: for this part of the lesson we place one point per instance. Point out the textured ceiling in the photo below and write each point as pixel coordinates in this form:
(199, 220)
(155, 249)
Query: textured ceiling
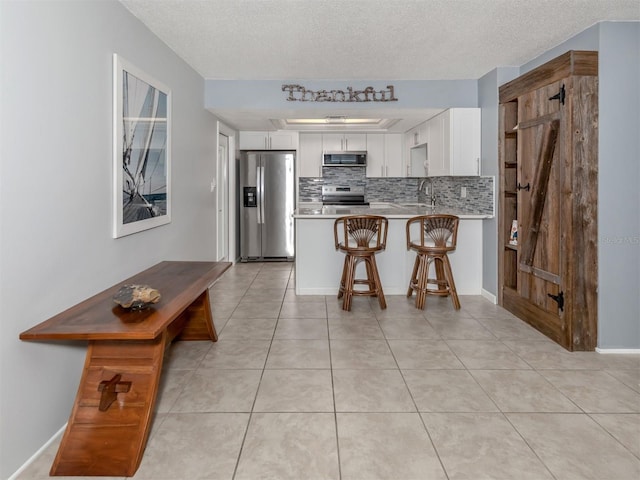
(367, 39)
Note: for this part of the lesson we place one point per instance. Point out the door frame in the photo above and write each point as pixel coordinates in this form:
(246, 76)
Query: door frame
(222, 199)
(228, 184)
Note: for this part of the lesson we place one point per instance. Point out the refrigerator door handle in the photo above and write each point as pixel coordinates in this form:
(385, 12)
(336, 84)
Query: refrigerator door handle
(262, 216)
(258, 194)
(261, 195)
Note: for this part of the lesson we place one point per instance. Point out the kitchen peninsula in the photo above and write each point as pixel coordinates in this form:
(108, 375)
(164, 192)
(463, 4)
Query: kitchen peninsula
(319, 265)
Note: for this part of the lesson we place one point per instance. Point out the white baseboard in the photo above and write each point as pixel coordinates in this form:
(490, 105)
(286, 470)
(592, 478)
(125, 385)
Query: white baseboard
(38, 453)
(626, 351)
(316, 291)
(489, 296)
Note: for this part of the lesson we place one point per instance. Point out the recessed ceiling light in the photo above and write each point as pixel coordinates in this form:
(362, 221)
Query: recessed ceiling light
(333, 119)
(334, 123)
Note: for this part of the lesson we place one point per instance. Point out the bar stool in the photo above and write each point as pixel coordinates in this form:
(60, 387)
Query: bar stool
(438, 235)
(360, 237)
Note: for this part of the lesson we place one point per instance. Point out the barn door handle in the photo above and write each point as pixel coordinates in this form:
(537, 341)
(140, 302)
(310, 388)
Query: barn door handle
(526, 187)
(559, 299)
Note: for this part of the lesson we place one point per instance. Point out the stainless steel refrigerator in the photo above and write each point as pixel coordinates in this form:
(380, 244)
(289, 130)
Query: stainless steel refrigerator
(267, 189)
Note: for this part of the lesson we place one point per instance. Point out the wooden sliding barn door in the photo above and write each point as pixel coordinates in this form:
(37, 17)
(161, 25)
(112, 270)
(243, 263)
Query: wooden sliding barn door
(548, 148)
(544, 205)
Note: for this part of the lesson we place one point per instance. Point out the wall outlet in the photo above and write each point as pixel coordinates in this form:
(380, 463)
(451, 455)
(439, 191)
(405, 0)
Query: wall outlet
(463, 192)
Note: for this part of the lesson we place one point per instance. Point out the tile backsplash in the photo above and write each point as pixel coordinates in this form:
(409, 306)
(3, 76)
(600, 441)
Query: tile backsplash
(479, 199)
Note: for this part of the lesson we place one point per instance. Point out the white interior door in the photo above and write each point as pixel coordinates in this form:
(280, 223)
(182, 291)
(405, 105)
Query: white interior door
(222, 203)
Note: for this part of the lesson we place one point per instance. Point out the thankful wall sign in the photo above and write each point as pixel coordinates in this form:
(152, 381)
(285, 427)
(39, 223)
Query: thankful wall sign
(298, 93)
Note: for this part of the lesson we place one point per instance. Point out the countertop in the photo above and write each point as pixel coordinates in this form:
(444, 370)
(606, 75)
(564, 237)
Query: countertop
(389, 210)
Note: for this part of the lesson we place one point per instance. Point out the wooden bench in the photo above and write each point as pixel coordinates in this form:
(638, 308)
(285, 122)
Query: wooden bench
(111, 417)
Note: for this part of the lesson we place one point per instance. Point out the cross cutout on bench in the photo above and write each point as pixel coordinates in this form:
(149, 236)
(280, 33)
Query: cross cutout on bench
(110, 390)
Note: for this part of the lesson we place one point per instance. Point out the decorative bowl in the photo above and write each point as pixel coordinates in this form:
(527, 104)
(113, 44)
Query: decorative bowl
(136, 297)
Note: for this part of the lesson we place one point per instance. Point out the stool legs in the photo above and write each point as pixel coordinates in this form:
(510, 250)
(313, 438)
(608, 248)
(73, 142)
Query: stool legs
(348, 285)
(371, 261)
(348, 280)
(450, 282)
(344, 276)
(414, 276)
(419, 280)
(445, 285)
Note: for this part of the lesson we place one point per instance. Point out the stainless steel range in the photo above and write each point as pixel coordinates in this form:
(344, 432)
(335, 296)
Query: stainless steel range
(343, 195)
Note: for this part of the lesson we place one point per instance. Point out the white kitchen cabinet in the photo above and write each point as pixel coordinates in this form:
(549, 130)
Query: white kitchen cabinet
(453, 145)
(309, 160)
(436, 152)
(278, 140)
(375, 155)
(343, 142)
(384, 155)
(414, 146)
(417, 135)
(417, 163)
(394, 160)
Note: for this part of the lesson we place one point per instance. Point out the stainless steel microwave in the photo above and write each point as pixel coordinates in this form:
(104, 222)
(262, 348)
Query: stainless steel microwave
(344, 159)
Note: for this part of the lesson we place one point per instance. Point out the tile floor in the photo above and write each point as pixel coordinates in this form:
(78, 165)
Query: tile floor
(295, 388)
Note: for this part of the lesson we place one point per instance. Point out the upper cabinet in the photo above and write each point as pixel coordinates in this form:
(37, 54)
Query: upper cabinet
(415, 143)
(310, 155)
(417, 135)
(384, 155)
(453, 143)
(341, 142)
(417, 162)
(278, 140)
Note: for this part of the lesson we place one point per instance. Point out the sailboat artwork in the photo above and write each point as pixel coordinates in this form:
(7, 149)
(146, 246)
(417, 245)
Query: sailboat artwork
(143, 158)
(142, 169)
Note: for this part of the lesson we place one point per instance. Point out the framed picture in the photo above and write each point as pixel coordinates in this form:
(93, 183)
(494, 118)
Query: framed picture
(141, 150)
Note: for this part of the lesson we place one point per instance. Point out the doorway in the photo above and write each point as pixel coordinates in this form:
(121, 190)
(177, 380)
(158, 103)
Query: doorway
(222, 203)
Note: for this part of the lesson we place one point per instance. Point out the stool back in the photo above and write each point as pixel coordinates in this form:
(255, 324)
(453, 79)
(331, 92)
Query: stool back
(436, 231)
(366, 233)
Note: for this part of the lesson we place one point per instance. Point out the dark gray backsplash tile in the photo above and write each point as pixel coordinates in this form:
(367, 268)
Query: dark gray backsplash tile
(479, 199)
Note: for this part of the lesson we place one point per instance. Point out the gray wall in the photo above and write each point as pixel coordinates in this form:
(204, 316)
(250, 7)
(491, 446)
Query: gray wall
(585, 40)
(618, 44)
(221, 94)
(619, 178)
(55, 192)
(488, 101)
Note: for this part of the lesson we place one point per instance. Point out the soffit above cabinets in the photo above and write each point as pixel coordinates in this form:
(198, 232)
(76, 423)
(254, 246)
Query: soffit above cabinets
(380, 120)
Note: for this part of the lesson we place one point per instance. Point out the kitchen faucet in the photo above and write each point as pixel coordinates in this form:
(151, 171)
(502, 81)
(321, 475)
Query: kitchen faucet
(433, 192)
(432, 196)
